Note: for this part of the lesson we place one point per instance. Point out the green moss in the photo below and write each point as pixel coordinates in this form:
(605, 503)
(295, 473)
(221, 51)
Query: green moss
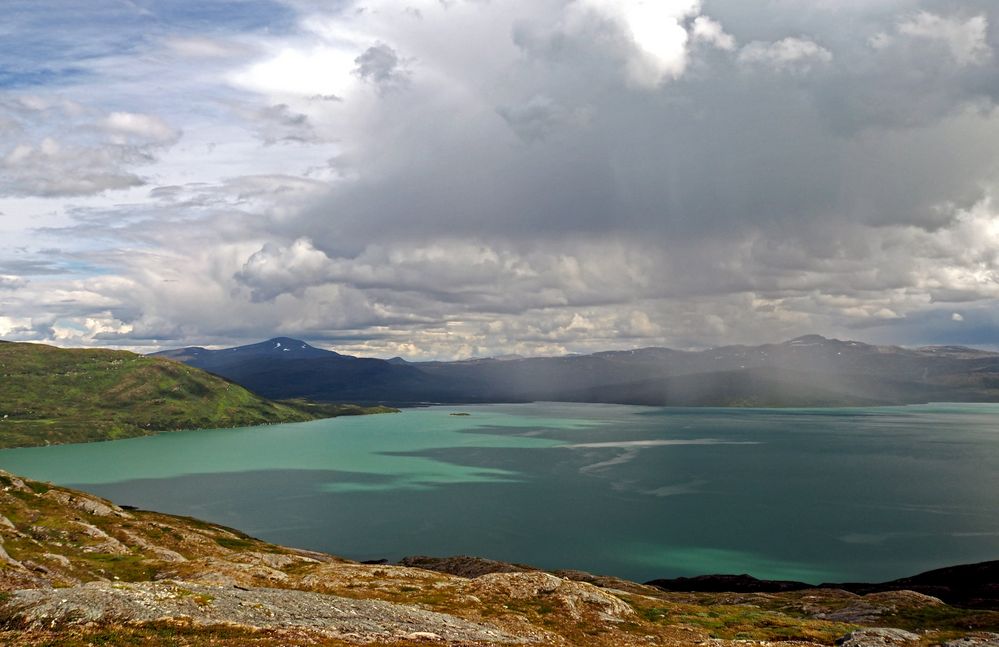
(201, 599)
(942, 617)
(127, 568)
(39, 488)
(235, 543)
(746, 623)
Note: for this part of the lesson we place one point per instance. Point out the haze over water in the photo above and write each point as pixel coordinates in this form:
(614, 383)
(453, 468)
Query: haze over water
(816, 495)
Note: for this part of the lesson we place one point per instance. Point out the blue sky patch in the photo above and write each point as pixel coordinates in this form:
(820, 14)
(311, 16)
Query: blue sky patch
(50, 43)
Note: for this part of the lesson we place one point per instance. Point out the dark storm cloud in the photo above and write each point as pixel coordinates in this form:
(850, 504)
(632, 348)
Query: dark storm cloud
(797, 167)
(381, 65)
(547, 176)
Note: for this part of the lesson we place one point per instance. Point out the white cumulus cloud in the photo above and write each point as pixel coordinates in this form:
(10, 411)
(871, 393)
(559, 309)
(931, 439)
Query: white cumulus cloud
(710, 31)
(656, 32)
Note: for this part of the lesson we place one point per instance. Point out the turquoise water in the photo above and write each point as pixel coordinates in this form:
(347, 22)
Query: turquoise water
(639, 492)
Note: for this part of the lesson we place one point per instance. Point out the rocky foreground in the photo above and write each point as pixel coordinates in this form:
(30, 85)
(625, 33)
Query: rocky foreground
(78, 570)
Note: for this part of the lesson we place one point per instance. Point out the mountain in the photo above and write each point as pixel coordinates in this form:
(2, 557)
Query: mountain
(52, 395)
(282, 348)
(76, 569)
(805, 371)
(973, 586)
(289, 368)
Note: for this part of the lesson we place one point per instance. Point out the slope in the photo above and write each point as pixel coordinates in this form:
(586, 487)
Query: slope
(51, 395)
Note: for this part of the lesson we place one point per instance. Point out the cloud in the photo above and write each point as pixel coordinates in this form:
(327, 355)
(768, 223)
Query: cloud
(539, 117)
(964, 39)
(706, 30)
(300, 71)
(203, 47)
(547, 177)
(787, 54)
(275, 270)
(655, 33)
(144, 128)
(53, 169)
(381, 65)
(279, 123)
(64, 149)
(8, 282)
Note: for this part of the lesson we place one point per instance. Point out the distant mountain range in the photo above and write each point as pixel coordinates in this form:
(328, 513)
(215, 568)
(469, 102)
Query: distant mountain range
(806, 371)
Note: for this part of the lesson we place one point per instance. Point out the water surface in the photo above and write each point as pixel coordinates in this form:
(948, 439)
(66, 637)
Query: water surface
(816, 495)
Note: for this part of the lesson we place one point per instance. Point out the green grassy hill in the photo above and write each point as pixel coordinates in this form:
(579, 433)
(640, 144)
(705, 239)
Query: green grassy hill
(53, 395)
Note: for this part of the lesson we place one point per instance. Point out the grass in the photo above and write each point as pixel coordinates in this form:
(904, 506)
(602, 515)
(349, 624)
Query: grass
(53, 395)
(943, 618)
(738, 622)
(126, 568)
(235, 543)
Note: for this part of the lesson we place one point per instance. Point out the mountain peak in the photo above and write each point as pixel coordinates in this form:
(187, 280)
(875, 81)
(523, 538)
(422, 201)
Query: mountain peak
(808, 339)
(286, 346)
(282, 342)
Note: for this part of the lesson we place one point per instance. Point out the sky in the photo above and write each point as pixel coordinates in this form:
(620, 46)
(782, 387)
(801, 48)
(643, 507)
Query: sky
(441, 179)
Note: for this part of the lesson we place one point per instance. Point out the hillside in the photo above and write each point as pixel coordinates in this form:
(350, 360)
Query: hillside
(78, 570)
(802, 372)
(53, 395)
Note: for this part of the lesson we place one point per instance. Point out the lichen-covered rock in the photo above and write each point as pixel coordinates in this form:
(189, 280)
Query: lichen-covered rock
(14, 482)
(355, 620)
(105, 542)
(878, 637)
(978, 640)
(224, 572)
(158, 552)
(869, 608)
(577, 599)
(88, 504)
(270, 560)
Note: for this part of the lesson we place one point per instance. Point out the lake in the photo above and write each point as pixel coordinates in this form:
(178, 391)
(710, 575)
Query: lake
(817, 495)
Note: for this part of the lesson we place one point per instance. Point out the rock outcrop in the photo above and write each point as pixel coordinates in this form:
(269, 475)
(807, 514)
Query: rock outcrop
(878, 637)
(262, 608)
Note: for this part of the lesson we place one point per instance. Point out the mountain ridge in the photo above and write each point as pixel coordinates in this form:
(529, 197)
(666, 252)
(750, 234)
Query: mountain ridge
(809, 370)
